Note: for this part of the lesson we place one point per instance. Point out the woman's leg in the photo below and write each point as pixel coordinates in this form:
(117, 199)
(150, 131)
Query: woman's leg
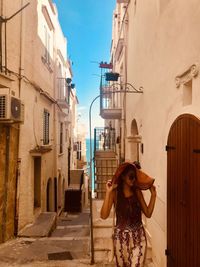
(130, 248)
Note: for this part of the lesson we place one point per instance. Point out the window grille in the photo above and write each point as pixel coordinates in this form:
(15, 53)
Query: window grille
(46, 127)
(61, 138)
(2, 106)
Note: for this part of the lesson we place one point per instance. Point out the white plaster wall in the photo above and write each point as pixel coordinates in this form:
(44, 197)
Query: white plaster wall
(163, 42)
(35, 71)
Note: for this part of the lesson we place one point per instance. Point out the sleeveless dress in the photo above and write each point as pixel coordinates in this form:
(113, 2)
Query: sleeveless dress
(129, 234)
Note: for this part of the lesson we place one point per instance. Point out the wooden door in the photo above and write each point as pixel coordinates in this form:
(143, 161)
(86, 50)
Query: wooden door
(183, 193)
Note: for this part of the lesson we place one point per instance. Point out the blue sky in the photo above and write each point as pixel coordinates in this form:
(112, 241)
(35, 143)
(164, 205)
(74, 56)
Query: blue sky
(88, 28)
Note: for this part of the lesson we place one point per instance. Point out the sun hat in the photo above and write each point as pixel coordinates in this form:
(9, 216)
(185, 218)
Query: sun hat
(143, 181)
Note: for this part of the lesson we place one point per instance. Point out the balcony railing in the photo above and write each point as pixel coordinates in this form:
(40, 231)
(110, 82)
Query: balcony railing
(104, 138)
(110, 103)
(111, 95)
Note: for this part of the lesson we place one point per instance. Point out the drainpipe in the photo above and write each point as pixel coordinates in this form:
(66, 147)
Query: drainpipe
(125, 29)
(17, 185)
(54, 141)
(125, 81)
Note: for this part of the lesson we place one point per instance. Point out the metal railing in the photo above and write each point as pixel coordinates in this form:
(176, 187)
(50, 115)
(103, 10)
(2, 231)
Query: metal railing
(104, 138)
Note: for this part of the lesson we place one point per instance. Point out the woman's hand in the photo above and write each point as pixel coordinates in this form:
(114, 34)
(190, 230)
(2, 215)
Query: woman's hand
(109, 199)
(153, 190)
(110, 186)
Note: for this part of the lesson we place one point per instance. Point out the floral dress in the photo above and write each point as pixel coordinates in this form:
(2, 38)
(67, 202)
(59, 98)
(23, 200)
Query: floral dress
(129, 234)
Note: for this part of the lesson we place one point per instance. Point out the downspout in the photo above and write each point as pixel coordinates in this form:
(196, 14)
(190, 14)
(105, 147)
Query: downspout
(125, 81)
(55, 163)
(17, 185)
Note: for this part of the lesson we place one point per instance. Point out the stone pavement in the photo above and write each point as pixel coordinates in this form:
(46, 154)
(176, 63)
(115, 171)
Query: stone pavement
(67, 246)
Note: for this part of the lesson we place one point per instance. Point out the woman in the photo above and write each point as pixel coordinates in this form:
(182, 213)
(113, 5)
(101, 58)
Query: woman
(124, 191)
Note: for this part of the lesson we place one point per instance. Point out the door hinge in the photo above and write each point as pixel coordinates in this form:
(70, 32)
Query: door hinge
(196, 151)
(167, 252)
(167, 148)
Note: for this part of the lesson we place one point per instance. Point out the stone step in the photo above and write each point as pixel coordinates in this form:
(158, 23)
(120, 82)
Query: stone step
(102, 231)
(103, 243)
(101, 254)
(43, 226)
(105, 265)
(105, 154)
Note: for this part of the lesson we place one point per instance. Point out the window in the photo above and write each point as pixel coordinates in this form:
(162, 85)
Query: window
(61, 138)
(47, 45)
(46, 127)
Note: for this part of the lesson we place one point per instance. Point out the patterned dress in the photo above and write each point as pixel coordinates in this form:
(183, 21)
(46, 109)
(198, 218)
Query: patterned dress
(129, 234)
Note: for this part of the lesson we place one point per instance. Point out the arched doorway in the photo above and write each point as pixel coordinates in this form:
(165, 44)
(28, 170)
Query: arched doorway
(183, 197)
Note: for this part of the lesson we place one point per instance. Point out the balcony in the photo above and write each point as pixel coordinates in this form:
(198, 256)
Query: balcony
(104, 139)
(63, 93)
(110, 103)
(63, 103)
(5, 78)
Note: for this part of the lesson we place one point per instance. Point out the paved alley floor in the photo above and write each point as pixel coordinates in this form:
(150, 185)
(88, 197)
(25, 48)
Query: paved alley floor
(67, 246)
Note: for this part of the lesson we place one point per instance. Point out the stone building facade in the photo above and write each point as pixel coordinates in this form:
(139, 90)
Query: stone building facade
(37, 144)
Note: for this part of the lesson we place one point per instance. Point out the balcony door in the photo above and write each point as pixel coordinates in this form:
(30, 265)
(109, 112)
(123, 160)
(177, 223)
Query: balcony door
(183, 193)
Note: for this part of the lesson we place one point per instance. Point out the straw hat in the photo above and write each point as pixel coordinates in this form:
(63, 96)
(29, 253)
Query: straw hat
(143, 181)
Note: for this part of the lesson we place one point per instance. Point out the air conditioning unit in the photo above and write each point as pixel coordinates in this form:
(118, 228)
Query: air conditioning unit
(11, 108)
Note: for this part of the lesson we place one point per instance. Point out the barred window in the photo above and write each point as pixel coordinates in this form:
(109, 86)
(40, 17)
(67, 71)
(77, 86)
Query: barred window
(46, 127)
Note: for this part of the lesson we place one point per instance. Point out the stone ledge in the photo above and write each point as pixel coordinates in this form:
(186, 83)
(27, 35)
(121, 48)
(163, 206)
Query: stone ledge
(42, 227)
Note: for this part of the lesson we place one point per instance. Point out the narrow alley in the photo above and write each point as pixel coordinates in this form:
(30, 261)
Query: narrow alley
(99, 133)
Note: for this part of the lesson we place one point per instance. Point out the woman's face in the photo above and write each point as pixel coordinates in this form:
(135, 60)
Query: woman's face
(130, 178)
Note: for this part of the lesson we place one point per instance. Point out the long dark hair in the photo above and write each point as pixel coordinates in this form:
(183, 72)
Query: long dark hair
(120, 193)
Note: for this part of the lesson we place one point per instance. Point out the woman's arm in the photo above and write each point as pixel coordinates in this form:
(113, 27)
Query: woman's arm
(108, 201)
(147, 210)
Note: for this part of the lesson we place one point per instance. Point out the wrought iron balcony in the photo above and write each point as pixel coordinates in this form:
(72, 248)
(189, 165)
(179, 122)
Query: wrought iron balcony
(110, 98)
(104, 139)
(110, 106)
